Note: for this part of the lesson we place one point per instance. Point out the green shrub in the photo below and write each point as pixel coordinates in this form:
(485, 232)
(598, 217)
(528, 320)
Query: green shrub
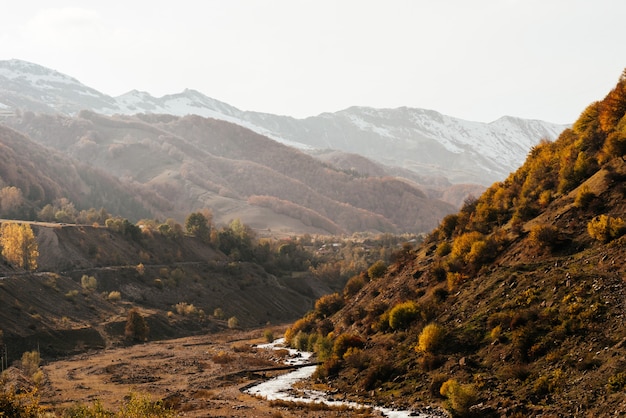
(95, 410)
(377, 270)
(353, 286)
(401, 315)
(140, 406)
(323, 348)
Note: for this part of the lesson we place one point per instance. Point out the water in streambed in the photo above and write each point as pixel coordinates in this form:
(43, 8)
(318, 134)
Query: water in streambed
(280, 388)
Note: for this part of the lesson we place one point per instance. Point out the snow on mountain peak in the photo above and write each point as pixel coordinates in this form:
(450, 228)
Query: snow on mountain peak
(416, 139)
(33, 73)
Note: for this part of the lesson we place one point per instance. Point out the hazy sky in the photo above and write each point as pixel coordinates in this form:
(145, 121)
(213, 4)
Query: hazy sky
(473, 59)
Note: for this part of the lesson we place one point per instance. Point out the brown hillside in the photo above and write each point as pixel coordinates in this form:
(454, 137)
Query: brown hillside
(514, 306)
(44, 175)
(52, 310)
(195, 162)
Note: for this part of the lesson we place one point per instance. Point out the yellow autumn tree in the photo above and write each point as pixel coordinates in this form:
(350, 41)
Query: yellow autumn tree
(19, 246)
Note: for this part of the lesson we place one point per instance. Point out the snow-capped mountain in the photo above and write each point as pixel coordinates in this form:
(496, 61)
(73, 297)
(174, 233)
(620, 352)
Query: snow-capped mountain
(423, 141)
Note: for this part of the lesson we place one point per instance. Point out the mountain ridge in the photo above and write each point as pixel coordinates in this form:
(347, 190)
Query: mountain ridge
(424, 141)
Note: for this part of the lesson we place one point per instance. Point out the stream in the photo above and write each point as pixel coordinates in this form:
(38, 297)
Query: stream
(280, 387)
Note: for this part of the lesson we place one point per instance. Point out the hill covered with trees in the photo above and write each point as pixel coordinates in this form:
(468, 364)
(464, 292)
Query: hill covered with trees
(514, 306)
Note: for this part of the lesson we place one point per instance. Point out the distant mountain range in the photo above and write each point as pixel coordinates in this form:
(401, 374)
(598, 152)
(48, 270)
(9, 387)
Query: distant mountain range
(425, 142)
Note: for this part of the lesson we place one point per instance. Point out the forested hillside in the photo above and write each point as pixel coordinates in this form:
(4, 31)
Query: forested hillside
(514, 306)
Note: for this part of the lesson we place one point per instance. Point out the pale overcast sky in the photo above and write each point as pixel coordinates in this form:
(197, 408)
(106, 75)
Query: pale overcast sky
(473, 59)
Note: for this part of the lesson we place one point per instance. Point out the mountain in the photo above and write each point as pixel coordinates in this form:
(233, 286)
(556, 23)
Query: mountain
(422, 141)
(33, 176)
(514, 306)
(182, 164)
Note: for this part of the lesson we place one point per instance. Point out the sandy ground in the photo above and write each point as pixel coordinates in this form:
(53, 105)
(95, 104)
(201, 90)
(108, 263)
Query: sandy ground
(199, 376)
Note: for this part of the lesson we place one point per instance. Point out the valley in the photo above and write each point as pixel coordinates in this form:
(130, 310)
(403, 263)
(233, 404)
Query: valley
(157, 250)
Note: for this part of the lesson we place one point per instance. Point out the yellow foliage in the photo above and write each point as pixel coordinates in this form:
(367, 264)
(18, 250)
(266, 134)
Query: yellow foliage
(606, 228)
(460, 397)
(431, 338)
(19, 246)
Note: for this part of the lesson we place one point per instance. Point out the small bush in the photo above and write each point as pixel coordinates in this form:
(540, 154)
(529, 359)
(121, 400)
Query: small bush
(430, 361)
(431, 338)
(136, 327)
(401, 315)
(218, 313)
(301, 341)
(114, 296)
(38, 377)
(323, 348)
(544, 236)
(95, 410)
(353, 286)
(443, 249)
(460, 397)
(71, 295)
(88, 282)
(186, 309)
(455, 280)
(438, 271)
(584, 197)
(140, 405)
(617, 382)
(377, 270)
(233, 322)
(606, 228)
(141, 269)
(328, 305)
(268, 334)
(345, 341)
(496, 333)
(23, 404)
(30, 362)
(437, 380)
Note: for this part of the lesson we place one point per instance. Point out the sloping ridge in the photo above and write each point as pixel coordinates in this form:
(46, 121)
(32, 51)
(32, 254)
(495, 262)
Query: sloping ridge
(515, 305)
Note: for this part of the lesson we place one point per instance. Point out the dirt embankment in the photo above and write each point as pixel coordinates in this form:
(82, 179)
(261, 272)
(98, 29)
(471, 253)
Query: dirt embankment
(178, 290)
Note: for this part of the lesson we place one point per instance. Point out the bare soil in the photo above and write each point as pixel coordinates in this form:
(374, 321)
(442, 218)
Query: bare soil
(197, 376)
